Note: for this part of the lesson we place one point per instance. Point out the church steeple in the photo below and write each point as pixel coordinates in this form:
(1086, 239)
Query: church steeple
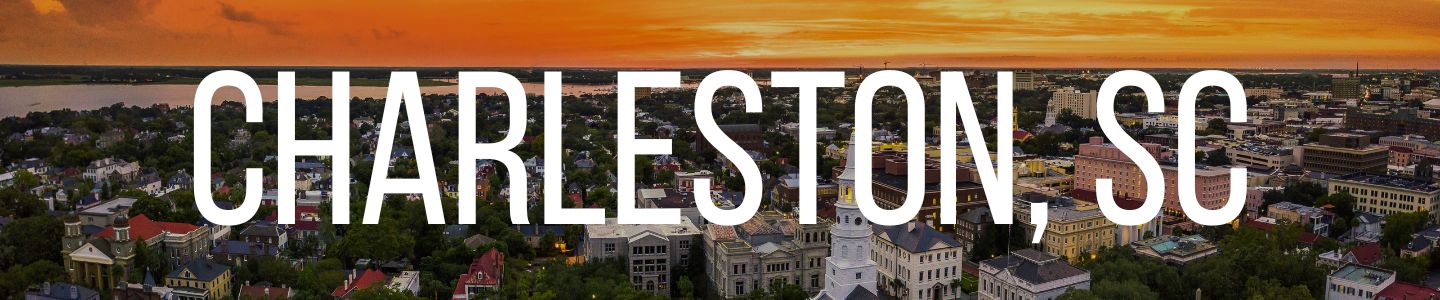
(849, 266)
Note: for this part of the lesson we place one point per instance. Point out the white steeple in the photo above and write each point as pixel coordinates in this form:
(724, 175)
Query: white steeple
(849, 266)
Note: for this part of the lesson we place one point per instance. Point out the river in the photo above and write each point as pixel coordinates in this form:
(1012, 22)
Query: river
(18, 101)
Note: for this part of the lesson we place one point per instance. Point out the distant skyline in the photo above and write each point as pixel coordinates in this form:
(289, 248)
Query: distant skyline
(1285, 34)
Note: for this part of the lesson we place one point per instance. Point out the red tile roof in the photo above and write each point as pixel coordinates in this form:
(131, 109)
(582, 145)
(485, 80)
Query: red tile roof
(141, 227)
(365, 280)
(1406, 290)
(261, 292)
(300, 222)
(1367, 253)
(485, 270)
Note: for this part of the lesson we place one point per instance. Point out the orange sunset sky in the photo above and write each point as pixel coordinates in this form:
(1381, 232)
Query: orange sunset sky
(1402, 34)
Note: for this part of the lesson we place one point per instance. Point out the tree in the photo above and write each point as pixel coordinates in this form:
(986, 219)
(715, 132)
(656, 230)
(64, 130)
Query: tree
(24, 180)
(1399, 227)
(1217, 158)
(375, 241)
(687, 288)
(381, 292)
(1408, 269)
(31, 239)
(1256, 288)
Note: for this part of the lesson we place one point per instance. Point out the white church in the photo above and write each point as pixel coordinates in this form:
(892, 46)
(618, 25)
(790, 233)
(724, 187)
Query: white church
(849, 272)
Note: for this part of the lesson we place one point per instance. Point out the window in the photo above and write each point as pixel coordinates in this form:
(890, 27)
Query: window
(740, 287)
(609, 248)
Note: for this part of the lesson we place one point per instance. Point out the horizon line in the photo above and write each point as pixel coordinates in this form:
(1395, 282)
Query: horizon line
(5, 65)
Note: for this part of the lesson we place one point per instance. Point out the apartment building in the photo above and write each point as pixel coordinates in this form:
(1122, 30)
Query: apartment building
(1080, 103)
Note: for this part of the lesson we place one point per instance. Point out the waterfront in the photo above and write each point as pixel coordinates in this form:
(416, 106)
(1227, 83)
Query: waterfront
(18, 101)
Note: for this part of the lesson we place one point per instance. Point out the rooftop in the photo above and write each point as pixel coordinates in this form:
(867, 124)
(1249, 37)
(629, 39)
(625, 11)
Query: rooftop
(611, 229)
(1362, 274)
(1389, 181)
(1035, 267)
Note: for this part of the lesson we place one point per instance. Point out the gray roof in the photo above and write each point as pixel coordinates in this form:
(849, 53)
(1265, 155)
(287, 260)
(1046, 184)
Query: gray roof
(1034, 266)
(859, 293)
(915, 237)
(262, 230)
(203, 270)
(59, 290)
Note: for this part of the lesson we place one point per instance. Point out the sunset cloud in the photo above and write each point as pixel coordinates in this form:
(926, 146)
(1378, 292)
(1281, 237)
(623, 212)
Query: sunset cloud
(792, 33)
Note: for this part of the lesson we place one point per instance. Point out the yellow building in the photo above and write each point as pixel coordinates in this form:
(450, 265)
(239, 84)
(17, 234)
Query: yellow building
(200, 279)
(1385, 194)
(1074, 229)
(98, 262)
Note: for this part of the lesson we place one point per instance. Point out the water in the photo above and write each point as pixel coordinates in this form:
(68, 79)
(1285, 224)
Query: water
(18, 101)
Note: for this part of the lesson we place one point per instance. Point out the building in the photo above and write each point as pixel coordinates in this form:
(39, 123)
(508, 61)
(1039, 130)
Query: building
(104, 214)
(482, 278)
(849, 272)
(1386, 194)
(971, 226)
(1029, 274)
(926, 260)
(671, 198)
(365, 279)
(1270, 93)
(1398, 121)
(60, 291)
(148, 290)
(97, 262)
(890, 186)
(652, 251)
(179, 241)
(200, 279)
(267, 234)
(770, 247)
(236, 252)
(1312, 219)
(1174, 249)
(1401, 290)
(1344, 153)
(1098, 159)
(1367, 254)
(1074, 229)
(111, 169)
(1346, 88)
(786, 192)
(265, 292)
(749, 136)
(1080, 103)
(405, 282)
(1357, 282)
(685, 181)
(1260, 155)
